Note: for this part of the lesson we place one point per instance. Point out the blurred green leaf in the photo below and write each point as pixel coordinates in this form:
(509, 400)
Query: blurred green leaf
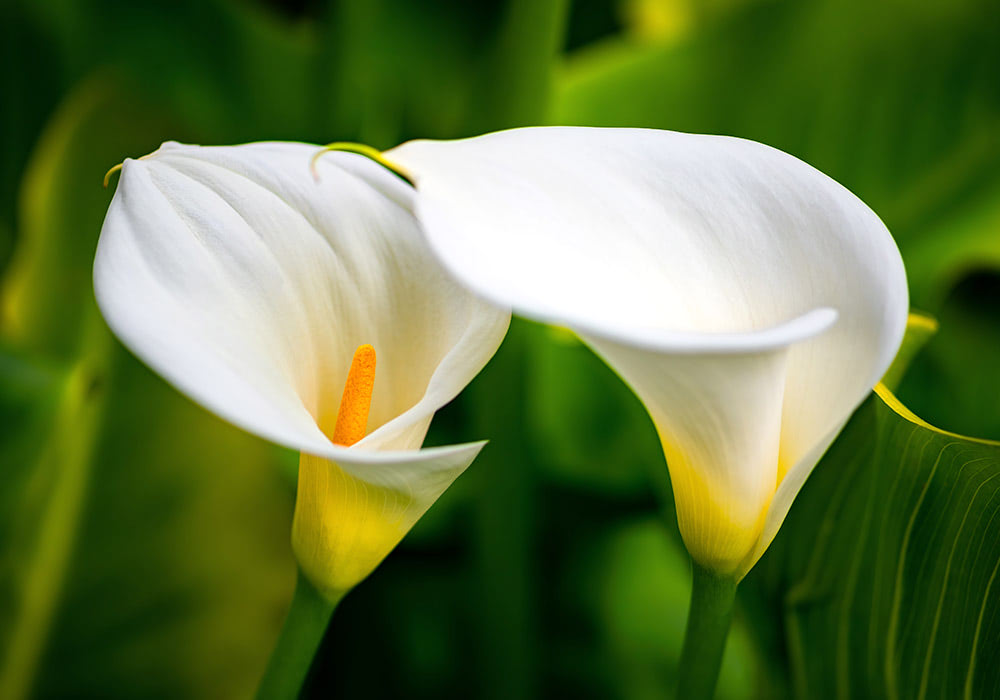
(155, 564)
(47, 457)
(401, 69)
(515, 89)
(48, 312)
(47, 300)
(591, 430)
(146, 551)
(885, 568)
(919, 329)
(30, 83)
(239, 74)
(28, 403)
(507, 569)
(955, 244)
(183, 570)
(955, 381)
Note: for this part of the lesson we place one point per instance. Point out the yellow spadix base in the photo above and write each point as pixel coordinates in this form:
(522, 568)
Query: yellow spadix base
(344, 526)
(719, 535)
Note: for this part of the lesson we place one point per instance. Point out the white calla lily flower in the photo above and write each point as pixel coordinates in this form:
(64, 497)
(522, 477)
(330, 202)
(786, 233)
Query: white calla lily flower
(750, 301)
(249, 285)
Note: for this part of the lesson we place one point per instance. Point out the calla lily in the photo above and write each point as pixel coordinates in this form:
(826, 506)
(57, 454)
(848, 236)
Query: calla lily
(256, 288)
(750, 301)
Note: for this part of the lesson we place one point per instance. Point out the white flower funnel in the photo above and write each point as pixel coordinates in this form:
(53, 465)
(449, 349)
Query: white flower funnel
(249, 284)
(750, 301)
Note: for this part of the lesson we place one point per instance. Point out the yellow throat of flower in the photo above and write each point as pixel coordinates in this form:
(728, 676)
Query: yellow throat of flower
(345, 526)
(352, 418)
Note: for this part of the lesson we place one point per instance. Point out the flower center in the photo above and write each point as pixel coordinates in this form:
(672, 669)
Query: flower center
(352, 418)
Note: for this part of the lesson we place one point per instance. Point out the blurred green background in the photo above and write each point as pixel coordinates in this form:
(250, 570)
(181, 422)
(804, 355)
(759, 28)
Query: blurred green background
(144, 544)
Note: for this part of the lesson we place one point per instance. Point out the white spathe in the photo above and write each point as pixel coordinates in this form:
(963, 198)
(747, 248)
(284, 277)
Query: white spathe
(248, 284)
(750, 301)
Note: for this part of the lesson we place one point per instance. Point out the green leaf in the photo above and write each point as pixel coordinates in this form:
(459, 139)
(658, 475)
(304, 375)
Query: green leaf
(145, 543)
(590, 429)
(955, 381)
(919, 329)
(250, 77)
(47, 302)
(963, 241)
(30, 92)
(145, 547)
(516, 83)
(885, 572)
(182, 569)
(49, 451)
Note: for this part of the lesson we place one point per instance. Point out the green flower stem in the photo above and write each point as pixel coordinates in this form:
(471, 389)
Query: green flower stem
(712, 598)
(300, 638)
(505, 545)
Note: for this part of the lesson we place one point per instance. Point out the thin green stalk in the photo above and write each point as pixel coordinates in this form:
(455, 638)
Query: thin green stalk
(66, 464)
(712, 598)
(517, 79)
(506, 528)
(300, 638)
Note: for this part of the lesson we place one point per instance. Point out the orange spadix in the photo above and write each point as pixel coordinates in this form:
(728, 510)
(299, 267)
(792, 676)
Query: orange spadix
(352, 418)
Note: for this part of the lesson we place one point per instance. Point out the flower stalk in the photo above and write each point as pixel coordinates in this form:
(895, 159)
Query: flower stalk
(709, 617)
(301, 635)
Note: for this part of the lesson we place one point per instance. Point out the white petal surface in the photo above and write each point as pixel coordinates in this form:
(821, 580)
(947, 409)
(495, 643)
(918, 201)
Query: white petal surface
(718, 415)
(657, 246)
(248, 284)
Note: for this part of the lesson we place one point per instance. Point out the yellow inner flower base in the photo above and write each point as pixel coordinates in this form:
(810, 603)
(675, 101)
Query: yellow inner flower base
(345, 526)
